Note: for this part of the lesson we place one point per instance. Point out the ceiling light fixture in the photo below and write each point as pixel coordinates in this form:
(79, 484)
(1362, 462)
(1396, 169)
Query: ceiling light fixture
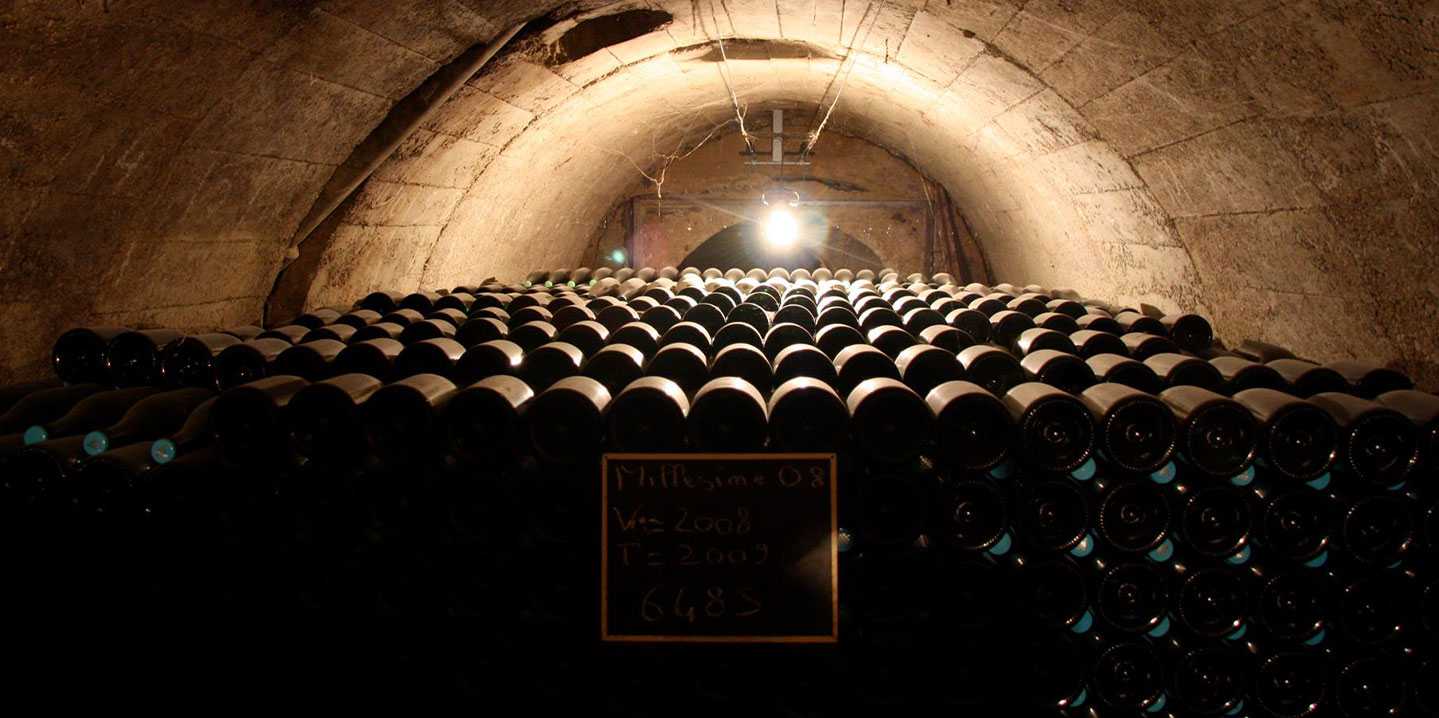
(781, 229)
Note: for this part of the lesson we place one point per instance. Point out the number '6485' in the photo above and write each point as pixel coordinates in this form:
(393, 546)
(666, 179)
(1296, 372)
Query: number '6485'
(690, 604)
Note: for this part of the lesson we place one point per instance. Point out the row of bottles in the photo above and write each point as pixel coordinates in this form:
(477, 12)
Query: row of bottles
(283, 419)
(999, 338)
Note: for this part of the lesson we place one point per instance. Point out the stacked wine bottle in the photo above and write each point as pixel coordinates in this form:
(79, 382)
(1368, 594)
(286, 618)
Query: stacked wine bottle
(1048, 504)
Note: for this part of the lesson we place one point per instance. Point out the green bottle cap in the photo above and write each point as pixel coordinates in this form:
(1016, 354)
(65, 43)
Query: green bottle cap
(163, 451)
(96, 443)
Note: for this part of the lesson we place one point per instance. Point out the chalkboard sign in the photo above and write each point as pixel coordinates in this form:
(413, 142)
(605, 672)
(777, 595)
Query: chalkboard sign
(719, 548)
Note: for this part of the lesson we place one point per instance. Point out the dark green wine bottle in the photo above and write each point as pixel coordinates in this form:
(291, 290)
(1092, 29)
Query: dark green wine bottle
(92, 412)
(1054, 430)
(972, 428)
(192, 436)
(79, 355)
(148, 419)
(566, 422)
(728, 415)
(807, 415)
(485, 421)
(190, 361)
(323, 418)
(248, 422)
(44, 406)
(889, 422)
(133, 358)
(403, 420)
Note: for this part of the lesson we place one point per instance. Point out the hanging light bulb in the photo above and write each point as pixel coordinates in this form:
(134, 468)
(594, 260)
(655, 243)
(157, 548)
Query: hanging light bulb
(781, 229)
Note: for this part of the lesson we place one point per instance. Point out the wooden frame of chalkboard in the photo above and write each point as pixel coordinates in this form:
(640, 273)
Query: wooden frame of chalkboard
(719, 548)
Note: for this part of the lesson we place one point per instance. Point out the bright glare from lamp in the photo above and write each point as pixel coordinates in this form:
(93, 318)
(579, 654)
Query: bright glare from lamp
(781, 229)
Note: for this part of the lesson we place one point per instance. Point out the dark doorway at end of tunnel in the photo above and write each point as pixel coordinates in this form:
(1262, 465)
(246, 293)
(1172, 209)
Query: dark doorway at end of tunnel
(591, 35)
(818, 244)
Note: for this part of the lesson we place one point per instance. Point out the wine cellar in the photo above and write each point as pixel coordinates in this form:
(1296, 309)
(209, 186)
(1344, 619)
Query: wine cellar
(732, 358)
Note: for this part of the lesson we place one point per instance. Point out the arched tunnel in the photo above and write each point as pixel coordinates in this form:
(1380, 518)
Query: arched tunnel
(1271, 165)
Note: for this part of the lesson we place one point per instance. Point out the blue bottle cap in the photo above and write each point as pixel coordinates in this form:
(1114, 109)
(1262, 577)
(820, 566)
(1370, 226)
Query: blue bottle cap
(1237, 709)
(1240, 558)
(1163, 552)
(1399, 486)
(1158, 703)
(1317, 639)
(1319, 560)
(1080, 699)
(1086, 471)
(1243, 629)
(1161, 629)
(1002, 546)
(1320, 483)
(845, 539)
(1395, 564)
(96, 443)
(1083, 625)
(1084, 547)
(1165, 474)
(163, 451)
(35, 435)
(1002, 471)
(1243, 478)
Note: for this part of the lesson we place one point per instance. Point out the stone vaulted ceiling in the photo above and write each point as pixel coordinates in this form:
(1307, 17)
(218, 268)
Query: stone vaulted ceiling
(1272, 164)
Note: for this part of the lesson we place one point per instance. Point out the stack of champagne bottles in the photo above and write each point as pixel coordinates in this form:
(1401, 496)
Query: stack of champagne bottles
(1049, 504)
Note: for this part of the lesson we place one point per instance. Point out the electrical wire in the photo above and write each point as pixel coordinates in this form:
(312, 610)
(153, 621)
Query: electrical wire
(725, 74)
(848, 54)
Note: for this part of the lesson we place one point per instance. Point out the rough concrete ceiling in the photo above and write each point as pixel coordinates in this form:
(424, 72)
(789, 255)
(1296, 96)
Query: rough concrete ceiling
(1270, 163)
